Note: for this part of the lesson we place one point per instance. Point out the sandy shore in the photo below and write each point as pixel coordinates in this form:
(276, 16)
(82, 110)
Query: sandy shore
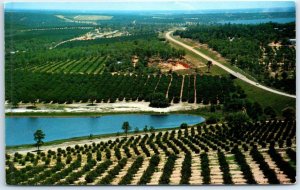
(98, 108)
(103, 107)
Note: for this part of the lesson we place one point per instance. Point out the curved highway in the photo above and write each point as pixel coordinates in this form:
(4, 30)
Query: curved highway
(234, 73)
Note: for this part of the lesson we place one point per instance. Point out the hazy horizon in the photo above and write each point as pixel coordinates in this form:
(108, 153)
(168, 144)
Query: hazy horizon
(187, 6)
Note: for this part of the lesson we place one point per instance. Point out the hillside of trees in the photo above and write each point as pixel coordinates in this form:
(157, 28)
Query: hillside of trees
(250, 47)
(60, 88)
(118, 52)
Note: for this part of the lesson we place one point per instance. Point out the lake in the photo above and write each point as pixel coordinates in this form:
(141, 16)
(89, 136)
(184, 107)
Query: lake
(20, 130)
(258, 21)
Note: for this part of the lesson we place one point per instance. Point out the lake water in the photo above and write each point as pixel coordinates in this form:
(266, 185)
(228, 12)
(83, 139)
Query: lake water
(19, 130)
(257, 21)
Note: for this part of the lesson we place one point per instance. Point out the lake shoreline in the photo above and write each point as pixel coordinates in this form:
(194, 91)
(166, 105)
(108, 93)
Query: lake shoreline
(91, 115)
(54, 114)
(19, 130)
(82, 109)
(70, 115)
(84, 140)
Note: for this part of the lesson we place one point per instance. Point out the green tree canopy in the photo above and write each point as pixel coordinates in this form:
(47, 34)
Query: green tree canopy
(288, 113)
(38, 137)
(209, 64)
(146, 128)
(126, 127)
(237, 119)
(183, 126)
(158, 100)
(269, 111)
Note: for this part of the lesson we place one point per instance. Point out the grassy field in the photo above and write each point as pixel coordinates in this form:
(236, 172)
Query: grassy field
(92, 17)
(266, 98)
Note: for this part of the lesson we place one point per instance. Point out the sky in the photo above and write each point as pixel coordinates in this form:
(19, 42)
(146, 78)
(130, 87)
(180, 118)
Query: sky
(149, 5)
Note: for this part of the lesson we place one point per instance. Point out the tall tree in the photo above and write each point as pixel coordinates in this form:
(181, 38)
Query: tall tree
(208, 64)
(38, 137)
(126, 127)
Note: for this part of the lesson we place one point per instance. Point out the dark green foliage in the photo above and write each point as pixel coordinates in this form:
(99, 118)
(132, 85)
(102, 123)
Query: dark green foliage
(167, 170)
(131, 171)
(45, 174)
(237, 119)
(186, 169)
(270, 112)
(69, 159)
(90, 177)
(62, 174)
(98, 156)
(263, 165)
(241, 160)
(158, 100)
(224, 168)
(126, 127)
(77, 87)
(107, 153)
(146, 177)
(283, 165)
(254, 111)
(289, 113)
(205, 170)
(183, 126)
(292, 154)
(247, 46)
(212, 119)
(38, 137)
(117, 153)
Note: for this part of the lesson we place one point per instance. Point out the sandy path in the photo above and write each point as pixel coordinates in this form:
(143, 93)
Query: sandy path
(195, 89)
(257, 173)
(122, 173)
(216, 175)
(158, 172)
(196, 178)
(101, 176)
(176, 174)
(235, 171)
(157, 83)
(283, 178)
(140, 172)
(181, 90)
(167, 94)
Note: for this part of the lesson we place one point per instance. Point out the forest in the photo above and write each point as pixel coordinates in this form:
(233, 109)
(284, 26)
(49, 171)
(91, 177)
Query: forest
(251, 48)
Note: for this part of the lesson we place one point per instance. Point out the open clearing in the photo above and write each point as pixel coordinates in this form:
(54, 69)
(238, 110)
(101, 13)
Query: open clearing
(92, 17)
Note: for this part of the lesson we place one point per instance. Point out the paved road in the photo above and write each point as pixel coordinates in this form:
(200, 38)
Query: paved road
(234, 73)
